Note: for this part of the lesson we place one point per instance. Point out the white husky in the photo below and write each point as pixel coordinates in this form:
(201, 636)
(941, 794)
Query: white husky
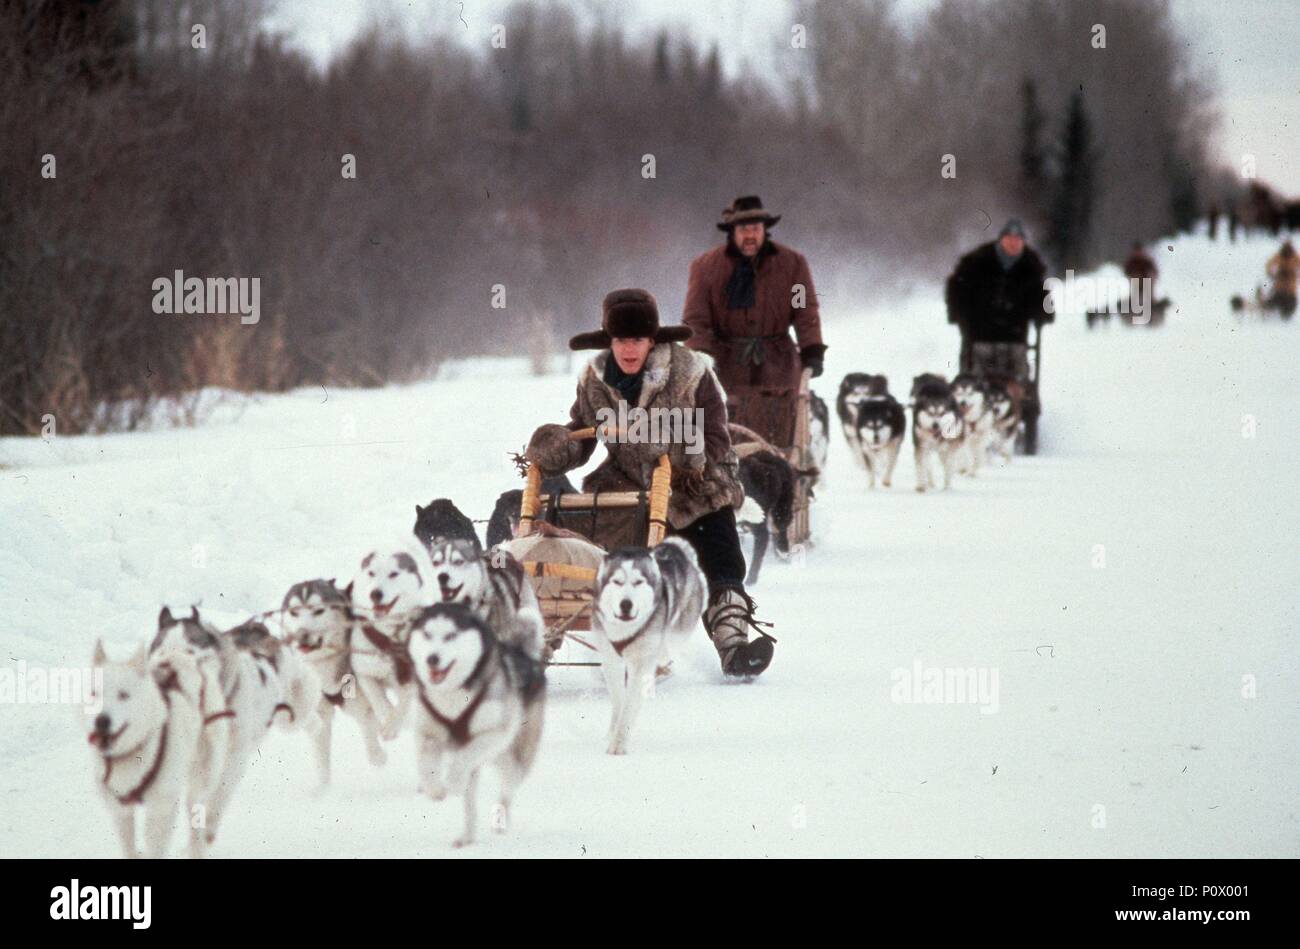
(390, 585)
(647, 603)
(248, 684)
(151, 751)
(481, 702)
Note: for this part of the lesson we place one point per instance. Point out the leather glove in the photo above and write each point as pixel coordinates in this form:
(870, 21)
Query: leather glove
(550, 450)
(811, 357)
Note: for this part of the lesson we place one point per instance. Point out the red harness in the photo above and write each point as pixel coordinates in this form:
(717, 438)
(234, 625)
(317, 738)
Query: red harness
(392, 649)
(136, 794)
(458, 727)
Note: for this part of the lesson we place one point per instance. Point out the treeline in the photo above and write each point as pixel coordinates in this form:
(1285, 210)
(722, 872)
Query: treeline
(535, 176)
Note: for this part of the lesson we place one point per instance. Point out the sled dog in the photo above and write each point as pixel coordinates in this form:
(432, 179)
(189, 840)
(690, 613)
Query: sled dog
(151, 748)
(317, 621)
(854, 388)
(442, 520)
(878, 431)
(971, 395)
(243, 692)
(937, 430)
(481, 702)
(1004, 406)
(505, 514)
(647, 601)
(389, 586)
(494, 587)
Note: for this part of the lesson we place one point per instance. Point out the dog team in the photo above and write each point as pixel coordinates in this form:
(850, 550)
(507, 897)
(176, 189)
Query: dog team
(955, 425)
(432, 625)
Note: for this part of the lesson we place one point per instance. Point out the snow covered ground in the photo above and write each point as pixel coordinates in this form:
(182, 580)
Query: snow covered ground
(1133, 589)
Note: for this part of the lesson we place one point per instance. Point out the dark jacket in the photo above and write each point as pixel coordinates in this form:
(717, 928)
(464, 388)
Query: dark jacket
(992, 305)
(1140, 266)
(726, 334)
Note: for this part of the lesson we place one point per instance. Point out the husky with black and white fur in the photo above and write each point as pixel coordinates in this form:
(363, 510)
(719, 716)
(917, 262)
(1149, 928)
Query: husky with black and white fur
(937, 431)
(317, 621)
(481, 702)
(647, 603)
(391, 584)
(971, 395)
(493, 585)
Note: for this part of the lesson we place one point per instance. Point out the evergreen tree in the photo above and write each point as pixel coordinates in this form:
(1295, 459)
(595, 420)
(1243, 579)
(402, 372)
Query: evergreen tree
(1033, 165)
(1071, 216)
(663, 71)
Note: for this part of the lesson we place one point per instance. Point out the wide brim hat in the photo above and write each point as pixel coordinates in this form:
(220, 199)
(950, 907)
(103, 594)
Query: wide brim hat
(745, 209)
(629, 314)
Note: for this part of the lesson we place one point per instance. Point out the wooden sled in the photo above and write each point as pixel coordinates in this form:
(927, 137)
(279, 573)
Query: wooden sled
(764, 412)
(561, 541)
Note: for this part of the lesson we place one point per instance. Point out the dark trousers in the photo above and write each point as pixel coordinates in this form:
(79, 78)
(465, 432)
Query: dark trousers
(717, 545)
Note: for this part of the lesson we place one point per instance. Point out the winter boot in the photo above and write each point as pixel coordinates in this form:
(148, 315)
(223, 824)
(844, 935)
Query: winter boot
(729, 616)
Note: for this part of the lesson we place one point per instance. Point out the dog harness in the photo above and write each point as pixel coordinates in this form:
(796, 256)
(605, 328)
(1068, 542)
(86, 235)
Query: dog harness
(137, 793)
(458, 727)
(391, 648)
(620, 646)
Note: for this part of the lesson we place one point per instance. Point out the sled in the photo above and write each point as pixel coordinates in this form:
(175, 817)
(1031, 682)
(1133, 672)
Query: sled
(1030, 406)
(1262, 305)
(766, 412)
(1155, 318)
(561, 540)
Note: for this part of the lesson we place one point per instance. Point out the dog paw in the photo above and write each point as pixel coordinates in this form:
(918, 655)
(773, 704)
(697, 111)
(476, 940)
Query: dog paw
(616, 747)
(463, 841)
(377, 756)
(920, 489)
(435, 792)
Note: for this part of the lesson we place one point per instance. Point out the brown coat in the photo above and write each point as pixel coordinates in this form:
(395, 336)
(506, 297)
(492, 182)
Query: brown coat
(724, 333)
(675, 377)
(1282, 271)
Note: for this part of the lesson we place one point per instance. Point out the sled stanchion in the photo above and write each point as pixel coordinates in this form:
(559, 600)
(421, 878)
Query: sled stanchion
(528, 505)
(660, 489)
(801, 526)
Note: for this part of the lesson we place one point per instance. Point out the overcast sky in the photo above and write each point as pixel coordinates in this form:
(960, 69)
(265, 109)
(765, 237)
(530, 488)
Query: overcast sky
(1250, 45)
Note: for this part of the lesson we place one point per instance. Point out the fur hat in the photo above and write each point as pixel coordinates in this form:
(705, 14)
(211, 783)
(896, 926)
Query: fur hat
(744, 209)
(629, 314)
(1013, 226)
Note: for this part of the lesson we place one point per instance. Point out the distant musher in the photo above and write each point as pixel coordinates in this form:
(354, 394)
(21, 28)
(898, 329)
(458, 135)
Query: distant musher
(993, 295)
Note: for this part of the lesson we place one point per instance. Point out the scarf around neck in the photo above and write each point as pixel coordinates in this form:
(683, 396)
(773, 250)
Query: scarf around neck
(740, 286)
(626, 385)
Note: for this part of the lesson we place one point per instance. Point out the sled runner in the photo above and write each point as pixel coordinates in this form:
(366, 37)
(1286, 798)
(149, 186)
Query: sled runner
(562, 539)
(767, 412)
(1015, 365)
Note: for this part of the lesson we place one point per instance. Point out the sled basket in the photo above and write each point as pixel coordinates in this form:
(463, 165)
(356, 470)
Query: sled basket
(561, 541)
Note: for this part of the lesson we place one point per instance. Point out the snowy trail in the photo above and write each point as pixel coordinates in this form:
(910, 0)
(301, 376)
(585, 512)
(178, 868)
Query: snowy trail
(1120, 726)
